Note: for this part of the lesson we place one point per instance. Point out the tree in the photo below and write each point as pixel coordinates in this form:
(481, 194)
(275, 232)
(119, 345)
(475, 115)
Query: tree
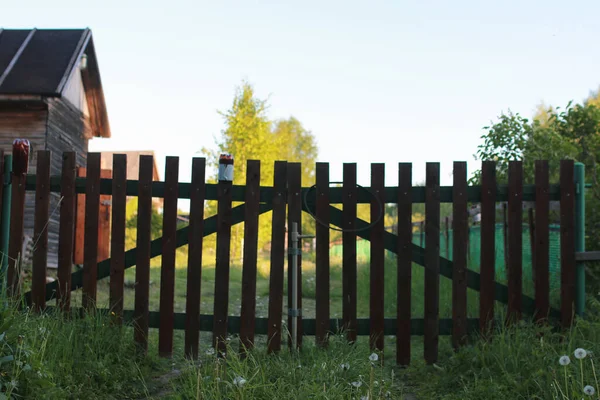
(250, 135)
(572, 133)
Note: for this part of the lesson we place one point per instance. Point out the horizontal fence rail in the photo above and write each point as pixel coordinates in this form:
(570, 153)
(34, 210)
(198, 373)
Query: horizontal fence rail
(238, 192)
(287, 199)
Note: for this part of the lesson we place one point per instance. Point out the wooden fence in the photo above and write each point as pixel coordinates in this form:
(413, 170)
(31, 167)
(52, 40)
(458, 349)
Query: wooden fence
(287, 192)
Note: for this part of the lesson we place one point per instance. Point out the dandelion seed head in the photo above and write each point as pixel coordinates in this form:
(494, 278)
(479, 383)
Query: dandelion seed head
(580, 354)
(373, 357)
(356, 384)
(589, 390)
(345, 366)
(210, 352)
(239, 381)
(564, 361)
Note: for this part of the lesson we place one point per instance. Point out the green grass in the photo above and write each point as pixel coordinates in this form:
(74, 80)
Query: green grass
(88, 358)
(54, 357)
(521, 362)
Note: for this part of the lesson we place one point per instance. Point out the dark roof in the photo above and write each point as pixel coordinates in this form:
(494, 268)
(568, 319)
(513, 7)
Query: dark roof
(41, 61)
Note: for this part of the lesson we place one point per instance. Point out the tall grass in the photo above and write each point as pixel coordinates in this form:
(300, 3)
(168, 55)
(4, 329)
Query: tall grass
(55, 356)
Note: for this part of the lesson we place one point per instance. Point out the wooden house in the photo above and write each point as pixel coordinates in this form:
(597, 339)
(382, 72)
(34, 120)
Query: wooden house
(50, 94)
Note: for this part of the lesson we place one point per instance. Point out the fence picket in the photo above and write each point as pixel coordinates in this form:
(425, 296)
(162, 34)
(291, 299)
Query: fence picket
(17, 214)
(90, 241)
(432, 262)
(567, 241)
(377, 256)
(294, 199)
(169, 248)
(404, 259)
(142, 268)
(542, 236)
(488, 246)
(221, 297)
(460, 219)
(194, 267)
(66, 230)
(515, 240)
(322, 254)
(277, 256)
(117, 246)
(248, 311)
(40, 231)
(349, 252)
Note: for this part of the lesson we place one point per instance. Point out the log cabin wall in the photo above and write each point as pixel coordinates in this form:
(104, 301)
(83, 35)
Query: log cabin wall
(53, 124)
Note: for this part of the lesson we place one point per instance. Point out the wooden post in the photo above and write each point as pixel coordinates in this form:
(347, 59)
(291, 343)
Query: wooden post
(350, 194)
(194, 267)
(277, 257)
(567, 241)
(322, 254)
(377, 257)
(515, 241)
(90, 246)
(221, 304)
(248, 311)
(404, 259)
(142, 268)
(460, 219)
(294, 199)
(15, 246)
(432, 262)
(169, 248)
(66, 231)
(119, 206)
(542, 236)
(40, 231)
(488, 247)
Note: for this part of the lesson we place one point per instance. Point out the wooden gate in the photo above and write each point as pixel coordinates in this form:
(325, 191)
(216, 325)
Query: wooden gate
(287, 192)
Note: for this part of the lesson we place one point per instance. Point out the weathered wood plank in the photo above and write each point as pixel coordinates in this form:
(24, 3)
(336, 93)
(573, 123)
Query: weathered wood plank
(377, 269)
(404, 259)
(194, 267)
(277, 257)
(542, 241)
(221, 299)
(248, 311)
(117, 260)
(432, 263)
(460, 219)
(167, 270)
(322, 254)
(349, 252)
(40, 231)
(66, 229)
(567, 241)
(294, 199)
(15, 244)
(488, 246)
(515, 241)
(90, 245)
(142, 268)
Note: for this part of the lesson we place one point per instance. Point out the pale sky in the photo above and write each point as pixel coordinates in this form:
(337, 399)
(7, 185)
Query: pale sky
(377, 81)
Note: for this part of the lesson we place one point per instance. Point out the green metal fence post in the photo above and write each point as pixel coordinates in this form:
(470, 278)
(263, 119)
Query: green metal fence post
(5, 217)
(580, 237)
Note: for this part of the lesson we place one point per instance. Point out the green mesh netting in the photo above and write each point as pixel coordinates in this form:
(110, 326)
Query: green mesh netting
(363, 251)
